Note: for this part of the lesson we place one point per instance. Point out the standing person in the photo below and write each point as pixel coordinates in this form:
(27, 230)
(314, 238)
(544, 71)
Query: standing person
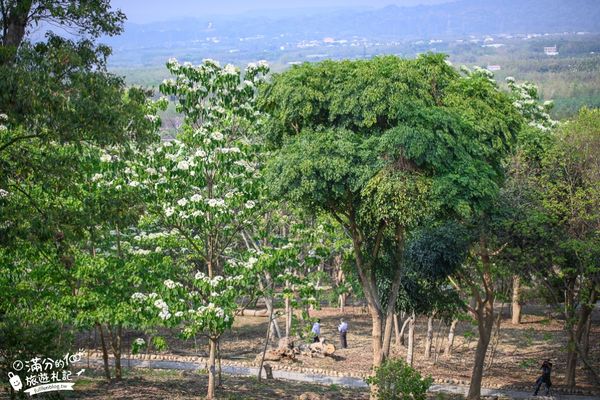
(343, 329)
(545, 378)
(316, 330)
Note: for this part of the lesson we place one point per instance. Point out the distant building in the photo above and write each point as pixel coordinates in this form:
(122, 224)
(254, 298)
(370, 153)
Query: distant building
(328, 40)
(494, 68)
(551, 51)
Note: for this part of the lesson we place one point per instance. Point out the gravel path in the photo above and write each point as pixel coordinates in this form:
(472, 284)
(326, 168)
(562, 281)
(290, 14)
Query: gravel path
(325, 379)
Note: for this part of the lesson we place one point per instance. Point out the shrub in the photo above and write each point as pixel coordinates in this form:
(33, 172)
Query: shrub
(398, 380)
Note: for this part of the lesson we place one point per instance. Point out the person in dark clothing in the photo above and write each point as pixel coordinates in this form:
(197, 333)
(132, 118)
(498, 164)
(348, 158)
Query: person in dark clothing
(545, 378)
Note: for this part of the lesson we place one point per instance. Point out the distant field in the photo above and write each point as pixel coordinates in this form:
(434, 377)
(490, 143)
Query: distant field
(571, 78)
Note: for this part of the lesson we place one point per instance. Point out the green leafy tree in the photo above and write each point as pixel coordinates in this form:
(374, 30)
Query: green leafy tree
(85, 17)
(556, 230)
(383, 145)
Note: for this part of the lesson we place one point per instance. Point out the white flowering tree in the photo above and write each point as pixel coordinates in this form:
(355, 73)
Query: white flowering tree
(526, 100)
(202, 190)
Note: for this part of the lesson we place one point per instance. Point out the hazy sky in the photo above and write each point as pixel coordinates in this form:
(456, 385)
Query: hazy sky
(141, 11)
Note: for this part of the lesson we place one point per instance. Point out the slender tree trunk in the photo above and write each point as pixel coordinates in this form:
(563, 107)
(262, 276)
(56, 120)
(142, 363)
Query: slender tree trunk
(396, 330)
(262, 358)
(288, 314)
(450, 343)
(439, 340)
(376, 336)
(404, 325)
(212, 378)
(429, 337)
(219, 369)
(411, 340)
(104, 352)
(115, 340)
(516, 300)
(485, 325)
(117, 353)
(485, 321)
(575, 332)
(275, 332)
(585, 340)
(387, 334)
(342, 302)
(570, 328)
(340, 279)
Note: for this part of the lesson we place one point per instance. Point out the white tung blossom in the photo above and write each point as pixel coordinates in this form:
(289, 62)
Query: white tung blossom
(140, 342)
(160, 303)
(196, 198)
(170, 284)
(200, 153)
(230, 70)
(96, 177)
(105, 158)
(164, 314)
(217, 136)
(183, 165)
(216, 202)
(199, 275)
(139, 296)
(169, 211)
(182, 202)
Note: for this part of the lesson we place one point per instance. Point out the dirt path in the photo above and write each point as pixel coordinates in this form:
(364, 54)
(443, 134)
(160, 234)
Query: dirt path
(324, 379)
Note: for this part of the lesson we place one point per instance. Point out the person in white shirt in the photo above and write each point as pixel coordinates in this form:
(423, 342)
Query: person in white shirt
(343, 329)
(316, 330)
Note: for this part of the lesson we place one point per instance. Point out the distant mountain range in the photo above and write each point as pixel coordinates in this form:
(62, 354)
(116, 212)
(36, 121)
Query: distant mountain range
(444, 21)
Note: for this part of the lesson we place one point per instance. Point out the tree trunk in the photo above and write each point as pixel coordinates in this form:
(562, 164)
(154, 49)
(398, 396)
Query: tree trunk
(485, 324)
(16, 23)
(212, 378)
(396, 330)
(275, 332)
(342, 302)
(485, 320)
(104, 352)
(575, 333)
(571, 360)
(411, 340)
(448, 350)
(288, 314)
(115, 342)
(429, 337)
(376, 336)
(404, 325)
(516, 300)
(387, 335)
(585, 340)
(117, 353)
(262, 358)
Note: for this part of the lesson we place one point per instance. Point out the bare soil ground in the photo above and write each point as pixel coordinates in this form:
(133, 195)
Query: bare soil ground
(516, 359)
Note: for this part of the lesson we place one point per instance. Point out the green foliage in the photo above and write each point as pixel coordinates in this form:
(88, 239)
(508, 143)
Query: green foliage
(92, 18)
(395, 379)
(159, 343)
